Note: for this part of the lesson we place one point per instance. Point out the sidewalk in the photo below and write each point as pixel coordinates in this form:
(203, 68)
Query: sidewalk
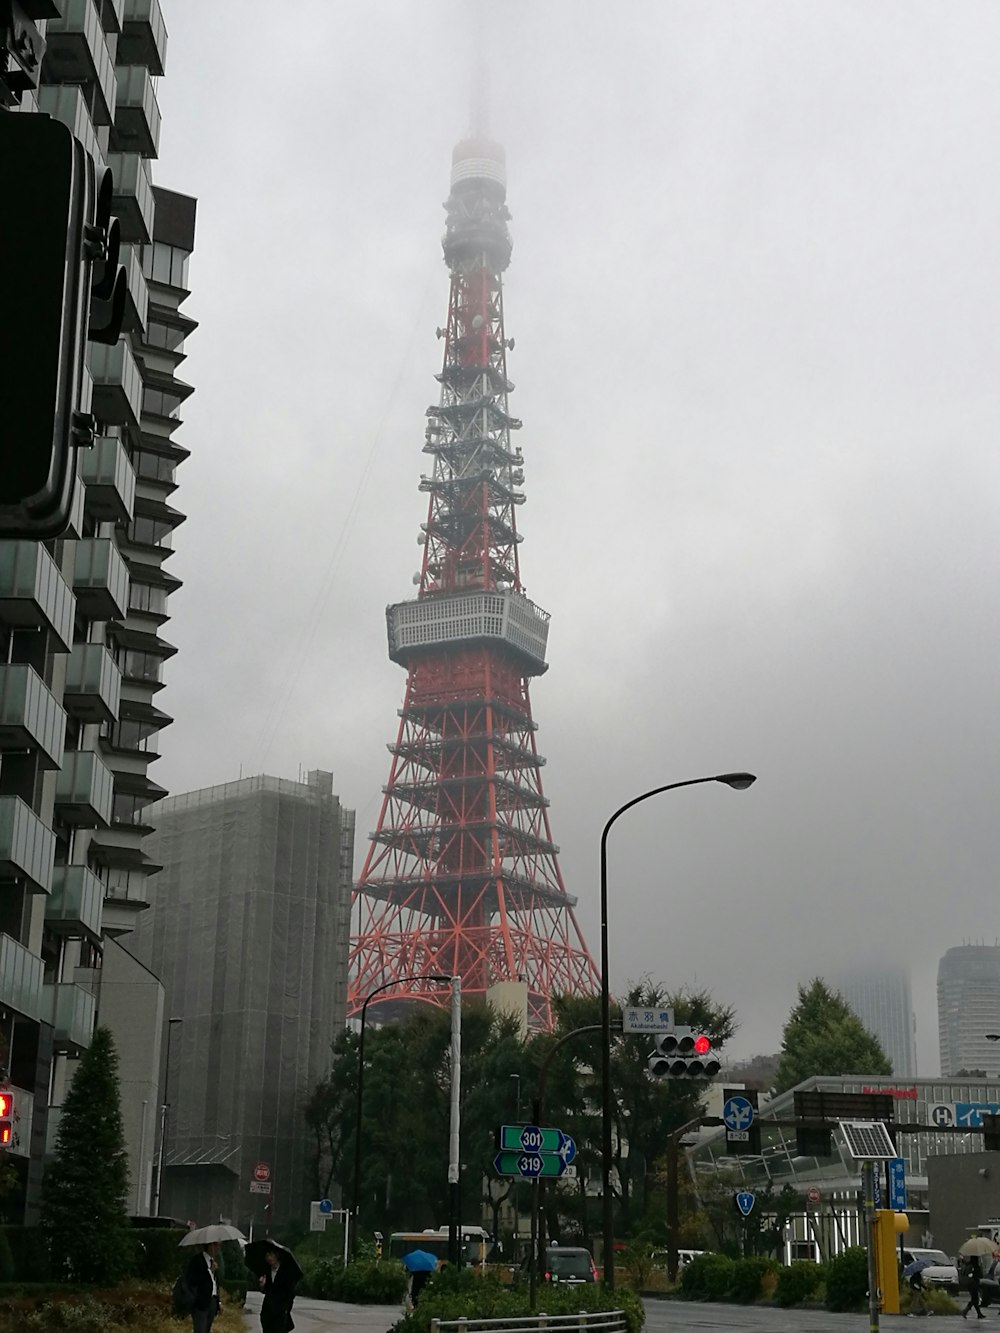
(321, 1316)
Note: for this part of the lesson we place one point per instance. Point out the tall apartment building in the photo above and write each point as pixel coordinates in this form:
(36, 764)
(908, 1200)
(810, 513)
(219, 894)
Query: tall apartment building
(882, 999)
(81, 652)
(968, 989)
(249, 928)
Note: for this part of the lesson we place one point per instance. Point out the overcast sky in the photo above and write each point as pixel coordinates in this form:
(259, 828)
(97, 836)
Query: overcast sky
(754, 294)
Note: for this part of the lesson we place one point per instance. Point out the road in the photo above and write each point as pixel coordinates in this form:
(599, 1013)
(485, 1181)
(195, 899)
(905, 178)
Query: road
(661, 1317)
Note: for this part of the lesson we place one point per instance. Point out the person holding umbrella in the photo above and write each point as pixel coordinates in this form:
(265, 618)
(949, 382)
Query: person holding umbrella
(975, 1249)
(420, 1264)
(277, 1272)
(201, 1273)
(974, 1276)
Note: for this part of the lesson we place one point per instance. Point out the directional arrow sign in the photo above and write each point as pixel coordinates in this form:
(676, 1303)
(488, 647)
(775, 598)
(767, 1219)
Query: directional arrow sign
(567, 1149)
(529, 1165)
(529, 1138)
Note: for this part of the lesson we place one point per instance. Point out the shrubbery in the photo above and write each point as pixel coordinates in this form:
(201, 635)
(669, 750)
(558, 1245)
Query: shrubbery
(798, 1282)
(748, 1277)
(847, 1280)
(707, 1277)
(462, 1293)
(364, 1282)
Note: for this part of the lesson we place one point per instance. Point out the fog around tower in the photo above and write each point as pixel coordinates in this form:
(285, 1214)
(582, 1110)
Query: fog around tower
(753, 293)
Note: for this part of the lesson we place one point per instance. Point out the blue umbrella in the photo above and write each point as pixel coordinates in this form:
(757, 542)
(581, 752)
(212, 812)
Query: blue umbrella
(917, 1266)
(419, 1261)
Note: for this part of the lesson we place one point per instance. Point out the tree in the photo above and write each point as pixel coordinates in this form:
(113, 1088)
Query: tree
(84, 1212)
(823, 1035)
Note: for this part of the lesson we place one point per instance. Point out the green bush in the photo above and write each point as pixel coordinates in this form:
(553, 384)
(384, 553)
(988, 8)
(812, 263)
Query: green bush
(30, 1254)
(847, 1280)
(157, 1257)
(748, 1274)
(364, 1282)
(462, 1293)
(798, 1282)
(707, 1277)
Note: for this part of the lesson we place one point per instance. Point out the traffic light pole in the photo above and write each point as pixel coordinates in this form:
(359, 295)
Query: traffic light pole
(536, 1254)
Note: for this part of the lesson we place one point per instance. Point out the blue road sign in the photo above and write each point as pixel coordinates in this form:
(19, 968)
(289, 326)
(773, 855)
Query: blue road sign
(897, 1184)
(745, 1201)
(567, 1148)
(325, 1206)
(738, 1114)
(529, 1165)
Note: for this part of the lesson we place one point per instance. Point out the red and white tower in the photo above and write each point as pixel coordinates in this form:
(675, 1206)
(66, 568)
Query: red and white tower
(462, 876)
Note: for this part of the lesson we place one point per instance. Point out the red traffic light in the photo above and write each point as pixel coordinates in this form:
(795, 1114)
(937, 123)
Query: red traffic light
(702, 1045)
(6, 1133)
(6, 1105)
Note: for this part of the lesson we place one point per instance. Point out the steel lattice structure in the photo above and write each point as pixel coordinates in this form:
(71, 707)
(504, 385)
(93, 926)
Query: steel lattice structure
(462, 875)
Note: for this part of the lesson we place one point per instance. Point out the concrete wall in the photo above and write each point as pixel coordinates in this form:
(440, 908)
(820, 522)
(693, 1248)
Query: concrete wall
(963, 1191)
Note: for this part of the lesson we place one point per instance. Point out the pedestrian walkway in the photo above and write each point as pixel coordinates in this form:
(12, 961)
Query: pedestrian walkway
(321, 1316)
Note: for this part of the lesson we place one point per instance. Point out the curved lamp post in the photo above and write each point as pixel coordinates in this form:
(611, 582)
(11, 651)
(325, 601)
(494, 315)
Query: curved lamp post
(739, 782)
(356, 1201)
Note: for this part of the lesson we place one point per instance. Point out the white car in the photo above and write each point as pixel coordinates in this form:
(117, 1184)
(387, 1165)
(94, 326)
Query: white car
(940, 1271)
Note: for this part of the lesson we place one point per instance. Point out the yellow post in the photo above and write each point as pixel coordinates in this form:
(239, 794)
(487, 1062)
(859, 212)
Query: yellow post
(888, 1225)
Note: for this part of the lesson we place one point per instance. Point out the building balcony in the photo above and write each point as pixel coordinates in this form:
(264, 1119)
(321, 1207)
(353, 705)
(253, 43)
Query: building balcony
(76, 51)
(144, 36)
(137, 293)
(21, 979)
(132, 196)
(27, 846)
(74, 906)
(65, 102)
(110, 481)
(120, 848)
(137, 113)
(100, 579)
(117, 397)
(93, 688)
(33, 594)
(30, 718)
(112, 13)
(70, 1009)
(84, 790)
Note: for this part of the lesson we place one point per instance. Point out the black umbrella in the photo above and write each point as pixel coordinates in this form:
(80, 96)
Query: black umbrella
(253, 1257)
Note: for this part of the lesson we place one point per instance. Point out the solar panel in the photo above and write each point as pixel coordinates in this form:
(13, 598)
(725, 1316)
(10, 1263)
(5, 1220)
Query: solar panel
(867, 1140)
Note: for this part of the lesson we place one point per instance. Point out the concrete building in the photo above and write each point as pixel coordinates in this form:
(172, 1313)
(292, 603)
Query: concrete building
(881, 998)
(248, 928)
(81, 653)
(968, 990)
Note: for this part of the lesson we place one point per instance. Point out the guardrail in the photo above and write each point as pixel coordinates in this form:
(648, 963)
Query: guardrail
(600, 1321)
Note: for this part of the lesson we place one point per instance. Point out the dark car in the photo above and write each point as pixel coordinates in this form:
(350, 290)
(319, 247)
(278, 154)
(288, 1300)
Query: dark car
(569, 1264)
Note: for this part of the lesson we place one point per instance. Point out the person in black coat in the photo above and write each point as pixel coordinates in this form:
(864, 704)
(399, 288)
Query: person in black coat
(278, 1286)
(201, 1274)
(974, 1277)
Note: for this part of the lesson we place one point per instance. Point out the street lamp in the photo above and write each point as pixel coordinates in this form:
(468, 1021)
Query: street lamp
(171, 1024)
(739, 782)
(356, 1201)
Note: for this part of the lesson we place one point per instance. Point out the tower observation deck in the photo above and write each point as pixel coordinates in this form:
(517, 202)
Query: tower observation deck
(462, 874)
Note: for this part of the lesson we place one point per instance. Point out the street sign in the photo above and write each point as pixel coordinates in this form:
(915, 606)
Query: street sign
(813, 1194)
(325, 1206)
(877, 1187)
(897, 1184)
(262, 1171)
(647, 1020)
(529, 1166)
(317, 1218)
(260, 1187)
(529, 1138)
(745, 1201)
(738, 1115)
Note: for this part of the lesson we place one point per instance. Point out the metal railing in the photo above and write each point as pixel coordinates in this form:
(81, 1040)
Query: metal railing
(598, 1321)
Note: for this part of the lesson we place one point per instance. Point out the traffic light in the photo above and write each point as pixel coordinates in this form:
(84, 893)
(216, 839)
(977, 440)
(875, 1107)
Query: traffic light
(55, 230)
(6, 1119)
(683, 1054)
(991, 1133)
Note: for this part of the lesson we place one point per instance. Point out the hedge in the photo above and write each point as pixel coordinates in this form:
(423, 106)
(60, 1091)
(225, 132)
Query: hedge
(798, 1282)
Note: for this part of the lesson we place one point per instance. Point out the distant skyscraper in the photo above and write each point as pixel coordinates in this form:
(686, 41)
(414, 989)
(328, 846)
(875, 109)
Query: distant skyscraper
(881, 998)
(248, 928)
(968, 1008)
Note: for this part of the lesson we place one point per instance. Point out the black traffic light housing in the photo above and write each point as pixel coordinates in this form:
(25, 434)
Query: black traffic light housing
(56, 229)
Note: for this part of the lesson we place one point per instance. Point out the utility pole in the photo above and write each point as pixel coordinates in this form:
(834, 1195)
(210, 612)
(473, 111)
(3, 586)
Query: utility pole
(454, 1136)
